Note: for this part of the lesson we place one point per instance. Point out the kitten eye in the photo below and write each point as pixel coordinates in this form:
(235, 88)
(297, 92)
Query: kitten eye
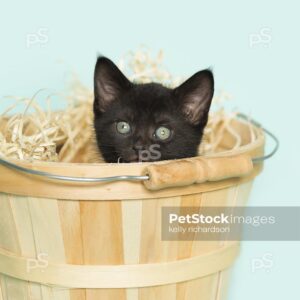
(123, 127)
(162, 133)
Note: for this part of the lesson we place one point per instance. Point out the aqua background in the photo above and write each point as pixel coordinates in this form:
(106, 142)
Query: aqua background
(262, 77)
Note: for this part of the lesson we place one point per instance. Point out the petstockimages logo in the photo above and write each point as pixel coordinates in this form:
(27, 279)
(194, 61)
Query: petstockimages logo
(231, 223)
(221, 219)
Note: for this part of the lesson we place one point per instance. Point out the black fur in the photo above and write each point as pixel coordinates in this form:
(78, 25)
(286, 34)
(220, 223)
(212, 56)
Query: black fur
(183, 110)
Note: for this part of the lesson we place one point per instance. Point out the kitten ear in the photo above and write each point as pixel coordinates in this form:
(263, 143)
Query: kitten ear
(195, 96)
(109, 83)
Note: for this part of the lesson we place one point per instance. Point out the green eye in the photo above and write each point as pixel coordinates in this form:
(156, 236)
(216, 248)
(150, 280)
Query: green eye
(163, 133)
(123, 127)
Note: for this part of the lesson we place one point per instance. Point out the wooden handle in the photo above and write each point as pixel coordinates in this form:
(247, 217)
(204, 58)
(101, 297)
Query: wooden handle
(196, 170)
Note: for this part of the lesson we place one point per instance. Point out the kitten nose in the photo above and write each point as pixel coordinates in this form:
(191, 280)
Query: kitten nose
(139, 145)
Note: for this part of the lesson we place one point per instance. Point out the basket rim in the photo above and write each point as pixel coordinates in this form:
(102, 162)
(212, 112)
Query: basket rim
(33, 186)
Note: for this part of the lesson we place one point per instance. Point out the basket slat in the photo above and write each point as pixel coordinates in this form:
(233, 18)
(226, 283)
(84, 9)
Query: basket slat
(185, 249)
(131, 224)
(100, 222)
(218, 198)
(241, 197)
(48, 238)
(16, 289)
(153, 249)
(70, 221)
(1, 293)
(20, 209)
(222, 285)
(230, 200)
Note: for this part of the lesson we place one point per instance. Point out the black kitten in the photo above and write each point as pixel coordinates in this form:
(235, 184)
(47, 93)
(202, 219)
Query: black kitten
(149, 122)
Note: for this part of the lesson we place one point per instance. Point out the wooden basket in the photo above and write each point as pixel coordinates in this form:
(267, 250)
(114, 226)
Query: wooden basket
(71, 241)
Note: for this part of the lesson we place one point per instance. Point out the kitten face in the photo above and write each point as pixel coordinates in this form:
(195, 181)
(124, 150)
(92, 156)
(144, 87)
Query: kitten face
(148, 122)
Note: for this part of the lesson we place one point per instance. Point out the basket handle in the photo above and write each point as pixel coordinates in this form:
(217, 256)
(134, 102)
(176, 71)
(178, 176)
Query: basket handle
(199, 170)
